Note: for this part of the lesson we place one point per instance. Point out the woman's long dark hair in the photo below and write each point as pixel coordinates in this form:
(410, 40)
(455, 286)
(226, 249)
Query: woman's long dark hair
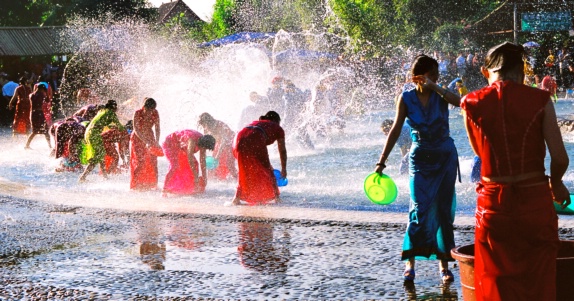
(423, 64)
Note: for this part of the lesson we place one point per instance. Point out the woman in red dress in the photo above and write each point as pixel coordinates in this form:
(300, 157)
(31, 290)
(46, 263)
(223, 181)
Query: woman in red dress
(143, 164)
(509, 126)
(223, 151)
(37, 116)
(257, 183)
(183, 175)
(21, 100)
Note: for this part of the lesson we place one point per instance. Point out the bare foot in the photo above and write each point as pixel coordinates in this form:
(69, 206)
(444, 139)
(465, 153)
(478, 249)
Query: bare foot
(234, 202)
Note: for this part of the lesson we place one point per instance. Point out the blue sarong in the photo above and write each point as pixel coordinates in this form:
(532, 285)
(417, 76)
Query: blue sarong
(433, 169)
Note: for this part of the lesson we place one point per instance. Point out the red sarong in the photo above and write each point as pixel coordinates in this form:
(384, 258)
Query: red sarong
(22, 123)
(179, 178)
(143, 166)
(516, 243)
(226, 158)
(257, 184)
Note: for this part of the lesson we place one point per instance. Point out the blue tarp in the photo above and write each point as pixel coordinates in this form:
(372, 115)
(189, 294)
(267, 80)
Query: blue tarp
(240, 37)
(302, 55)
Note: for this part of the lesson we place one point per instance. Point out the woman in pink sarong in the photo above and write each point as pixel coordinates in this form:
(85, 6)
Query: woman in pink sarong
(143, 163)
(21, 100)
(223, 151)
(183, 175)
(257, 183)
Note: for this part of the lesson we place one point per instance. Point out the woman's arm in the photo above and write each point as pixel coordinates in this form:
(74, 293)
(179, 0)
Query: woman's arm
(137, 120)
(283, 156)
(447, 95)
(157, 129)
(393, 136)
(558, 157)
(191, 160)
(203, 167)
(14, 99)
(468, 128)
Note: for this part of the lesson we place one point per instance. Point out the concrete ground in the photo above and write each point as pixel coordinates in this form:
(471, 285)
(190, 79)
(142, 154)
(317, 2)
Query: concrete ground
(176, 249)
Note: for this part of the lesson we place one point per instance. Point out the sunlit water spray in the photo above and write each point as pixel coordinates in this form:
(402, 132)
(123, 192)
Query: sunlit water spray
(133, 62)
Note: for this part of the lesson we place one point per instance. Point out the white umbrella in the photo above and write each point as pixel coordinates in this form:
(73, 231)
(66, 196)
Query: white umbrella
(531, 44)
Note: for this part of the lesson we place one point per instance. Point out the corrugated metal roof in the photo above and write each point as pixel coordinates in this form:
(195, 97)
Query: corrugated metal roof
(30, 41)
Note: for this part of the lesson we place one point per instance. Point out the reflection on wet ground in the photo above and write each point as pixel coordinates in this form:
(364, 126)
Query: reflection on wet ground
(54, 252)
(112, 255)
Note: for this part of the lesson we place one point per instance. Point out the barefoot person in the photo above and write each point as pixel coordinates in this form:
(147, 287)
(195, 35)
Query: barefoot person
(510, 126)
(93, 137)
(183, 176)
(21, 101)
(37, 116)
(257, 184)
(68, 136)
(432, 168)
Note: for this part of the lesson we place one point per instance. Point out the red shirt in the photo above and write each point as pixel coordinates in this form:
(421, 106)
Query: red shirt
(505, 123)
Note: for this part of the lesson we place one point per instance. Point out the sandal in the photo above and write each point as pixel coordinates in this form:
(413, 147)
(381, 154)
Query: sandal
(446, 275)
(409, 275)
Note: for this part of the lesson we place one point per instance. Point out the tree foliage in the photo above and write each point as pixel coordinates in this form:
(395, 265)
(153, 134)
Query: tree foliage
(57, 12)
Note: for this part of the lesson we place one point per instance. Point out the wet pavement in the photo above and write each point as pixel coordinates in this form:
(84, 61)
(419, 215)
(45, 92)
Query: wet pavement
(79, 252)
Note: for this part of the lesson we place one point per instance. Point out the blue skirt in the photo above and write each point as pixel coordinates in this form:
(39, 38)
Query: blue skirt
(433, 171)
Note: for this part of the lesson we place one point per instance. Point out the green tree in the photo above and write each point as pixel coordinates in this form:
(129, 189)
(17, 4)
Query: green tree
(23, 12)
(57, 12)
(370, 24)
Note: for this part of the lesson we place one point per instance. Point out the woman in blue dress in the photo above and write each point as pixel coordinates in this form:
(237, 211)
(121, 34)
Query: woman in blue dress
(433, 167)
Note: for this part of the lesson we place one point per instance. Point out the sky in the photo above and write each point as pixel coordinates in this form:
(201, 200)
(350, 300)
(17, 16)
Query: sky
(203, 8)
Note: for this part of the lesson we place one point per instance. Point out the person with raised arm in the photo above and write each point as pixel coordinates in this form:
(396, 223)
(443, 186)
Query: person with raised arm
(433, 166)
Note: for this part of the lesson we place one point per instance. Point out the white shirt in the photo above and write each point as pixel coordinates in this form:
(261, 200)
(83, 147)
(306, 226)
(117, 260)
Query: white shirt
(460, 61)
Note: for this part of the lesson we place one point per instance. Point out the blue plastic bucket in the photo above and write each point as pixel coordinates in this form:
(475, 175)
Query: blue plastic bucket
(280, 180)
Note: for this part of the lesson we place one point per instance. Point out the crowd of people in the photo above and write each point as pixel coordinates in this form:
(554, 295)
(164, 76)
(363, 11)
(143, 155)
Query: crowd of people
(510, 126)
(306, 114)
(94, 136)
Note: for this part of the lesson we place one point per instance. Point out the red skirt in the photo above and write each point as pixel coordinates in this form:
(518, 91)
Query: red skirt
(179, 178)
(516, 243)
(22, 124)
(257, 184)
(226, 162)
(143, 166)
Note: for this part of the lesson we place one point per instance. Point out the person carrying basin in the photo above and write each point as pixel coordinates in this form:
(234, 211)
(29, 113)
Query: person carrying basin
(433, 166)
(510, 126)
